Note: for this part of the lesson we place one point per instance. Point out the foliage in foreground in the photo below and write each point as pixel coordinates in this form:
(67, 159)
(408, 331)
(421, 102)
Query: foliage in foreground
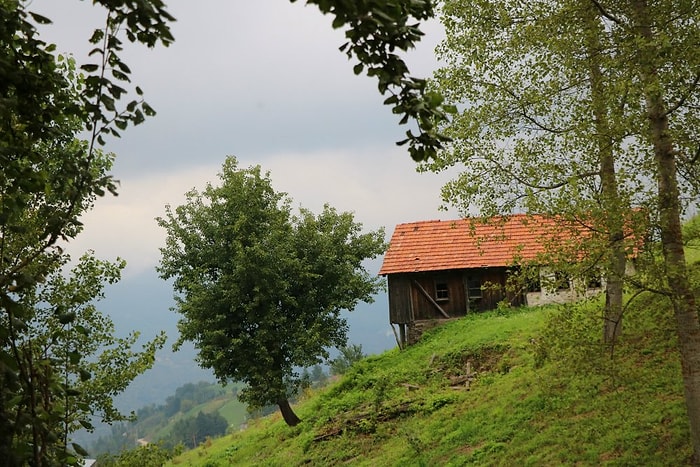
(59, 361)
(540, 393)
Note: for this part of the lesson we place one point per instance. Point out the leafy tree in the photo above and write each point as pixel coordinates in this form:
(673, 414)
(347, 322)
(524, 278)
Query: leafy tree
(61, 363)
(349, 355)
(48, 180)
(318, 375)
(658, 36)
(261, 290)
(76, 365)
(545, 140)
(314, 378)
(573, 108)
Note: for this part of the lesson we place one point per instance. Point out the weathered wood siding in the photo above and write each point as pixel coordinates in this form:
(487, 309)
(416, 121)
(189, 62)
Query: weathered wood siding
(425, 308)
(400, 309)
(493, 280)
(415, 297)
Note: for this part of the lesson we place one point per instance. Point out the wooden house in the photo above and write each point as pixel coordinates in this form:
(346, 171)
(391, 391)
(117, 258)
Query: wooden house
(438, 270)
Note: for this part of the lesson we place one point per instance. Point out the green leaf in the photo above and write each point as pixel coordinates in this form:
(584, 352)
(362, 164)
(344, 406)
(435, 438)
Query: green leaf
(84, 374)
(97, 36)
(86, 424)
(74, 357)
(89, 67)
(39, 18)
(66, 318)
(79, 449)
(148, 110)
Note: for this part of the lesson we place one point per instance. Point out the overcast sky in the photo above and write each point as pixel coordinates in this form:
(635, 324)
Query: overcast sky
(262, 80)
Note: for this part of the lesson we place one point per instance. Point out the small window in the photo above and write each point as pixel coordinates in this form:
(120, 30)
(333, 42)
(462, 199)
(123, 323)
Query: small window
(594, 278)
(561, 280)
(442, 292)
(473, 287)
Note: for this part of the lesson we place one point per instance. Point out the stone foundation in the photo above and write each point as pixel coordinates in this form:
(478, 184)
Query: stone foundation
(417, 328)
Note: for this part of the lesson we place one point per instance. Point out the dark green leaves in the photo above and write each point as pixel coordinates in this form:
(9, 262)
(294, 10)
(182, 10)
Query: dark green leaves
(48, 179)
(261, 290)
(66, 318)
(89, 67)
(79, 449)
(39, 19)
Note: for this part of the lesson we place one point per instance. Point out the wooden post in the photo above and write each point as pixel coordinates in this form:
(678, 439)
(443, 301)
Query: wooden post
(470, 375)
(400, 341)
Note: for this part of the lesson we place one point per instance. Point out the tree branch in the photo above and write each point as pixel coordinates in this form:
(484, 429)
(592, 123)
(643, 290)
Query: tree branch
(549, 187)
(605, 13)
(682, 100)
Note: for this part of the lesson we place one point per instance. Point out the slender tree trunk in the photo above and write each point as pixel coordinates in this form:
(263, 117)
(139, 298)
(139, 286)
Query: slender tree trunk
(290, 418)
(612, 206)
(616, 262)
(681, 292)
(6, 419)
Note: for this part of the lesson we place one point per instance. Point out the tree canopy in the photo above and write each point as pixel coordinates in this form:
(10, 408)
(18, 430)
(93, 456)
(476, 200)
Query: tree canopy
(261, 290)
(588, 111)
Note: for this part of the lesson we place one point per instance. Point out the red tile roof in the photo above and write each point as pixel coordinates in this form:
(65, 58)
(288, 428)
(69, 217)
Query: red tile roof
(465, 243)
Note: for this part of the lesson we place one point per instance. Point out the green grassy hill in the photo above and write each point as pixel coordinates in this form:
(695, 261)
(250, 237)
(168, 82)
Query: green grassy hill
(541, 391)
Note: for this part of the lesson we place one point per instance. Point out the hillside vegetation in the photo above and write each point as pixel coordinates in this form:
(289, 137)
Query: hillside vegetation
(509, 387)
(186, 417)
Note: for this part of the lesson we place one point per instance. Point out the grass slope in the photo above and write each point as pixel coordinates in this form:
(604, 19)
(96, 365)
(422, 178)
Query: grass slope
(542, 393)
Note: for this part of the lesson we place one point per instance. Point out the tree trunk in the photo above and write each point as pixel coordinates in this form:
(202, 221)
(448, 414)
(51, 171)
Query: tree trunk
(290, 418)
(680, 289)
(611, 204)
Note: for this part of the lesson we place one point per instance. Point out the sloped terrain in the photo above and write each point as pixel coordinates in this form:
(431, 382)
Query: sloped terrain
(510, 387)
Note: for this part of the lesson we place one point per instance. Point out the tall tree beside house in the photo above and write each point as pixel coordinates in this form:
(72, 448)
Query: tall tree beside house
(661, 39)
(261, 290)
(545, 139)
(573, 108)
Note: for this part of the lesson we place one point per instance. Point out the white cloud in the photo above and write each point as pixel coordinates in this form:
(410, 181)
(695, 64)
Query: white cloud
(262, 80)
(125, 226)
(379, 186)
